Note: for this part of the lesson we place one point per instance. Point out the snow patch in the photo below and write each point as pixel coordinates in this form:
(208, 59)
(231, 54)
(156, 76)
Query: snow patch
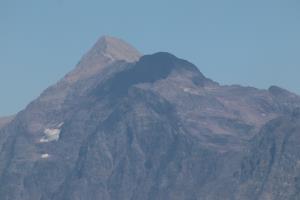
(190, 90)
(186, 89)
(51, 134)
(60, 125)
(44, 156)
(109, 56)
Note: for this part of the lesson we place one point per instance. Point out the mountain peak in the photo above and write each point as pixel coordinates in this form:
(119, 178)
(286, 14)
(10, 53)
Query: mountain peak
(280, 92)
(104, 52)
(115, 49)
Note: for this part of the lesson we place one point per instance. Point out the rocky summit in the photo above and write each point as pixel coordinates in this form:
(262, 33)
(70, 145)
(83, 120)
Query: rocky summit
(123, 126)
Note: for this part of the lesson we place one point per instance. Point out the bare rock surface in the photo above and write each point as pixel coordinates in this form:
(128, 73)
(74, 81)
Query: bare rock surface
(5, 120)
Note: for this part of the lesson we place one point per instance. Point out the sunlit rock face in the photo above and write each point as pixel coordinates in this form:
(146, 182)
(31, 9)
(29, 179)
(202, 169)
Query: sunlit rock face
(131, 127)
(5, 120)
(106, 51)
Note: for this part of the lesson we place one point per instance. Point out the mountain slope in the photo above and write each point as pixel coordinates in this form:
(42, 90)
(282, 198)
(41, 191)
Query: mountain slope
(271, 169)
(5, 120)
(122, 126)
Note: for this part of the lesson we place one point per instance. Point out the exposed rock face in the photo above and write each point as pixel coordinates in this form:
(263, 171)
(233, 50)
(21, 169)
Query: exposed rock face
(124, 127)
(5, 120)
(272, 168)
(106, 51)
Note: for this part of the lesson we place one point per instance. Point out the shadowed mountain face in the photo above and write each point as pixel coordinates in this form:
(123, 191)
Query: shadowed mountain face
(131, 127)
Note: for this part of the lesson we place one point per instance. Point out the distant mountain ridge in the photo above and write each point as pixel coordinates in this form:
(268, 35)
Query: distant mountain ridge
(126, 126)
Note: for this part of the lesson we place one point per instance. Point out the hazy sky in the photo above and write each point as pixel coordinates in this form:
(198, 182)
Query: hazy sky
(253, 42)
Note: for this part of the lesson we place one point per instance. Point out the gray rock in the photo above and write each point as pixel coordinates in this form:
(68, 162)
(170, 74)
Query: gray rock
(5, 120)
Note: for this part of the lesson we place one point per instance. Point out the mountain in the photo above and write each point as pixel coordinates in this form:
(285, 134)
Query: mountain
(126, 126)
(5, 120)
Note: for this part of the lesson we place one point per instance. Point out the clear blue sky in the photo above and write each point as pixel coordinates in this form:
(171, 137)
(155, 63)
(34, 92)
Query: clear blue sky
(253, 42)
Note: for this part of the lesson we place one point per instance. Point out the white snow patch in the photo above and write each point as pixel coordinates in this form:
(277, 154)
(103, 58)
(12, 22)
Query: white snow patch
(60, 125)
(186, 89)
(45, 155)
(263, 114)
(51, 134)
(109, 56)
(190, 90)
